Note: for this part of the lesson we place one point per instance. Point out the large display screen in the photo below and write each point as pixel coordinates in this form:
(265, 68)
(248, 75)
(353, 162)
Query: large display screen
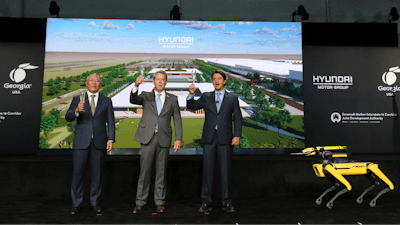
(262, 60)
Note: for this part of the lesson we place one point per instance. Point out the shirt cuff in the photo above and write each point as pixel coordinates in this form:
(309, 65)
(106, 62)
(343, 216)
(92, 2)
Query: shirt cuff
(189, 97)
(111, 141)
(76, 114)
(134, 89)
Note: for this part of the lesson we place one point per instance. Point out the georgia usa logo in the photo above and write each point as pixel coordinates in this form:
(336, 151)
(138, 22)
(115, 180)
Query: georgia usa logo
(389, 78)
(18, 75)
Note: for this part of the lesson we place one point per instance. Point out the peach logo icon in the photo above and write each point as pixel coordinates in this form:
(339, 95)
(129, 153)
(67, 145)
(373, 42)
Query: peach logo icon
(18, 74)
(390, 77)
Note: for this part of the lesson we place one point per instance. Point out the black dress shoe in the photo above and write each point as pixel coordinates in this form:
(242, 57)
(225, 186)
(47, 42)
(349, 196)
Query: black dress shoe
(75, 210)
(205, 208)
(228, 208)
(97, 209)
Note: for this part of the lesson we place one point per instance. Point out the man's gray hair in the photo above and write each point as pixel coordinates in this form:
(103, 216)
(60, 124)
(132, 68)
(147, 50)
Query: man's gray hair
(163, 72)
(101, 80)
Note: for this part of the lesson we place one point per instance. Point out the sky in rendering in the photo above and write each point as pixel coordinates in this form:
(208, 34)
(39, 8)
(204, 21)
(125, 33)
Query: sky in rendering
(154, 36)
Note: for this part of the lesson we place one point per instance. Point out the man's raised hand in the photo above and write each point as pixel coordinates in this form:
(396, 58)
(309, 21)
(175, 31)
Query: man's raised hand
(139, 80)
(192, 89)
(80, 106)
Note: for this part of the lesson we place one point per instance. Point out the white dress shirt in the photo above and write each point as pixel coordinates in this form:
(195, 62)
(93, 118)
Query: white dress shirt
(96, 99)
(162, 97)
(221, 96)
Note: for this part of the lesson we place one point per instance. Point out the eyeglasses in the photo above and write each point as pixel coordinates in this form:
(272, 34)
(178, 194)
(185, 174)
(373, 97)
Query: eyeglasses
(92, 80)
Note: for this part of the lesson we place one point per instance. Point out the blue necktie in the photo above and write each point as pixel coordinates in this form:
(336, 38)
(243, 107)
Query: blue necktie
(158, 104)
(218, 104)
(158, 107)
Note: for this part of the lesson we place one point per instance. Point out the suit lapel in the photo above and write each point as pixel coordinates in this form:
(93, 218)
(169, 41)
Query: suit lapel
(99, 101)
(213, 105)
(166, 103)
(87, 104)
(224, 100)
(153, 102)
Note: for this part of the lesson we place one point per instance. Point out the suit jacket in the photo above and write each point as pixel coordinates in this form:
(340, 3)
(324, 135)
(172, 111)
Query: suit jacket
(96, 125)
(150, 118)
(229, 110)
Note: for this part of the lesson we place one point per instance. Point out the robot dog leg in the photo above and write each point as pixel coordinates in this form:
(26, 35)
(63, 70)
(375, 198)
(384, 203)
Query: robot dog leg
(335, 166)
(330, 169)
(372, 173)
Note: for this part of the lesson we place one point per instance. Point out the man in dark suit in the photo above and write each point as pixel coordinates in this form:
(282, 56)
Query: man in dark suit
(220, 108)
(91, 141)
(155, 134)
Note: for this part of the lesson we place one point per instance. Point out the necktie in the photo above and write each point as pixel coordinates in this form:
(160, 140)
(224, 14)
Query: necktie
(92, 105)
(158, 107)
(218, 102)
(158, 104)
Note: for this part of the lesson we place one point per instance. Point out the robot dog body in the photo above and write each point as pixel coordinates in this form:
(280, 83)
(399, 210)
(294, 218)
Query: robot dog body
(335, 166)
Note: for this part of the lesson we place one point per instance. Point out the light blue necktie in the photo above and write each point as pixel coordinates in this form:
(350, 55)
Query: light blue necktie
(158, 104)
(218, 104)
(158, 107)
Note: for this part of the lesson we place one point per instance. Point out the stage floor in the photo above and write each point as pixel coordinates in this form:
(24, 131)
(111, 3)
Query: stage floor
(275, 210)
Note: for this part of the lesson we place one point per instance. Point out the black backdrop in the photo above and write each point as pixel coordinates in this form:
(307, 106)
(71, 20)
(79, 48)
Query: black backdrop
(22, 41)
(370, 122)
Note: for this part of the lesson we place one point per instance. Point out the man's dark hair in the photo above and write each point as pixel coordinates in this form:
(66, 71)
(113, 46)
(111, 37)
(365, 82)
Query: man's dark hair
(220, 72)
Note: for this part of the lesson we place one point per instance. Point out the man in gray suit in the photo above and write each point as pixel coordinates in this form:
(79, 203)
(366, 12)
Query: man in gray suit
(155, 134)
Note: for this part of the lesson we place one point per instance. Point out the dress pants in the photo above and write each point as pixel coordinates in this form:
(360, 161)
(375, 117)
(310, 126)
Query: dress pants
(224, 153)
(80, 157)
(150, 153)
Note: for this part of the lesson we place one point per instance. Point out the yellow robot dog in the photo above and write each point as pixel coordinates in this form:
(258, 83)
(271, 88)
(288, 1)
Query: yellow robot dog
(335, 165)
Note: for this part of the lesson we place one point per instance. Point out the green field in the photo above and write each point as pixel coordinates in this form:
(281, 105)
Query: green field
(74, 86)
(258, 136)
(126, 129)
(50, 135)
(56, 104)
(105, 74)
(297, 124)
(79, 66)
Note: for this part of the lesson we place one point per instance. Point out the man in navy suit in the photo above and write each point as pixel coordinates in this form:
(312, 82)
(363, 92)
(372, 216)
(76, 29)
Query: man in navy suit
(221, 107)
(91, 141)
